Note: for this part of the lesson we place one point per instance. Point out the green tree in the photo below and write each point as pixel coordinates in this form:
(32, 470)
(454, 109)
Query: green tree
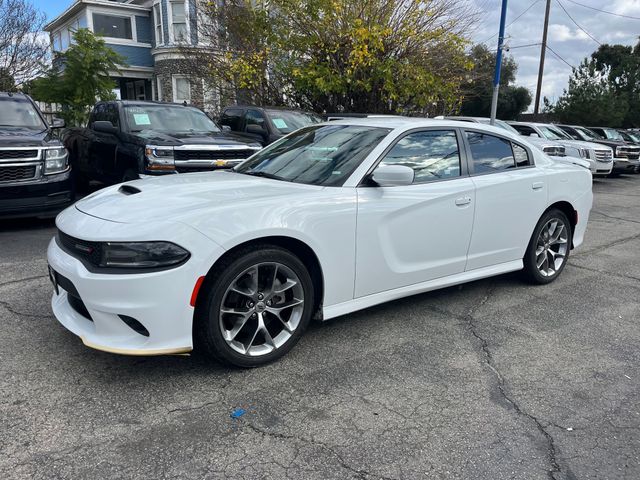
(385, 56)
(79, 77)
(478, 89)
(590, 99)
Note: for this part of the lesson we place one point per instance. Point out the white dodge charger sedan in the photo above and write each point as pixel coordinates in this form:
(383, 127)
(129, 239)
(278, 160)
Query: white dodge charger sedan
(333, 218)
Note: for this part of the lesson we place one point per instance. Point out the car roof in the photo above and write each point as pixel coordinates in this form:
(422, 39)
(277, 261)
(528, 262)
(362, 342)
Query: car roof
(283, 109)
(411, 122)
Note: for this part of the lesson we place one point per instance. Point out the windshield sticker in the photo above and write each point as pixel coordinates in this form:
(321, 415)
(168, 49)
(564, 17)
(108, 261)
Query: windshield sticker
(141, 119)
(279, 123)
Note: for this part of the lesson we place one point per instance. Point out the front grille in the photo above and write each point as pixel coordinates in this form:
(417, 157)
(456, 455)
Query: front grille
(632, 153)
(555, 151)
(83, 250)
(212, 154)
(17, 174)
(17, 154)
(604, 155)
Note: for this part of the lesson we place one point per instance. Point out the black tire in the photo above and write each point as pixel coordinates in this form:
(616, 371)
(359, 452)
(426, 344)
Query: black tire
(130, 174)
(207, 330)
(531, 270)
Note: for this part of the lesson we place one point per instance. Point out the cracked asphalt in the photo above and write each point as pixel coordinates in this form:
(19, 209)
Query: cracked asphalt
(494, 379)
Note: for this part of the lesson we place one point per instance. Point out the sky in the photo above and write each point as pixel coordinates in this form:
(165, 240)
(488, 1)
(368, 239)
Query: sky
(564, 37)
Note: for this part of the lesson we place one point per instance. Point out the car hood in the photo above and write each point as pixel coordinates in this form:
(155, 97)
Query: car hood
(24, 137)
(177, 197)
(177, 139)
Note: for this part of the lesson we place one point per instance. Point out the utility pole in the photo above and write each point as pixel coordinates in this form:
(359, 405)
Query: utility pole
(496, 77)
(543, 50)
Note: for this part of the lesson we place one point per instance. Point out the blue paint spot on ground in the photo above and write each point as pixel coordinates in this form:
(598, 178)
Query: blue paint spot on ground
(238, 412)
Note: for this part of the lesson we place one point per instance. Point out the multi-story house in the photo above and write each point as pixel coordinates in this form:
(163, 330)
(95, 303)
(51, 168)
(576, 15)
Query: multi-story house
(151, 36)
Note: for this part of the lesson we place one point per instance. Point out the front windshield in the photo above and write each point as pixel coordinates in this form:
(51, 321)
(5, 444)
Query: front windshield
(19, 113)
(550, 134)
(168, 118)
(634, 136)
(286, 121)
(558, 131)
(612, 134)
(318, 155)
(588, 133)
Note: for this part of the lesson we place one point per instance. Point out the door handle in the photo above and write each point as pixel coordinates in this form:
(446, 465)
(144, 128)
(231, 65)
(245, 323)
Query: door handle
(537, 185)
(463, 201)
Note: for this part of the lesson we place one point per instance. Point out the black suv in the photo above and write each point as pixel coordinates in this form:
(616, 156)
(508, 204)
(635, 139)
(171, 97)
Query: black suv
(265, 125)
(34, 166)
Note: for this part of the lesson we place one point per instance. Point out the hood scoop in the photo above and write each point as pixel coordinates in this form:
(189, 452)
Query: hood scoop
(129, 190)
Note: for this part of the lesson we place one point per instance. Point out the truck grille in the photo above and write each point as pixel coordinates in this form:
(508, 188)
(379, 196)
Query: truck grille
(17, 154)
(632, 153)
(604, 155)
(212, 154)
(17, 174)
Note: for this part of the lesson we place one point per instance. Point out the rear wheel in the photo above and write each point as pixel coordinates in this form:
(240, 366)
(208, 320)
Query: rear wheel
(549, 248)
(257, 306)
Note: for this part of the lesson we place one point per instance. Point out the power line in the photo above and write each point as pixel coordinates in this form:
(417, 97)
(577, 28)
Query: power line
(559, 57)
(604, 11)
(576, 23)
(523, 46)
(515, 19)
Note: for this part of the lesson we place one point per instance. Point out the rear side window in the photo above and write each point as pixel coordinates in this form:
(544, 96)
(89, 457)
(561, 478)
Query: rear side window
(491, 154)
(232, 118)
(432, 154)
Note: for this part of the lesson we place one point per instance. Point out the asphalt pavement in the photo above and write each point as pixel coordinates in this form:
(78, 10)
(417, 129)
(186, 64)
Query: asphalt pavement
(494, 380)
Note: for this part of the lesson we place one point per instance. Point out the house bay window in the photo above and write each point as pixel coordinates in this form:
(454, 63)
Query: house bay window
(112, 26)
(178, 21)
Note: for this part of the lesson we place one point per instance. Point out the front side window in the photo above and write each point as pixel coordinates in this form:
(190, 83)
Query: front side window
(572, 133)
(112, 26)
(254, 117)
(588, 134)
(178, 21)
(231, 117)
(612, 134)
(492, 154)
(432, 154)
(319, 155)
(181, 89)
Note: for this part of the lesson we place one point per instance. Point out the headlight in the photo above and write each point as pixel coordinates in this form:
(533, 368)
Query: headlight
(141, 254)
(56, 160)
(159, 158)
(619, 152)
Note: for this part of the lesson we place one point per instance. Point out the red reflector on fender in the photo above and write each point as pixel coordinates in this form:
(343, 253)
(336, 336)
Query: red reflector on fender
(196, 289)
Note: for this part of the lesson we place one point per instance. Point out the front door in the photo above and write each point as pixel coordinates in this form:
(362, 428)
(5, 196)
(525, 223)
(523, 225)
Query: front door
(415, 233)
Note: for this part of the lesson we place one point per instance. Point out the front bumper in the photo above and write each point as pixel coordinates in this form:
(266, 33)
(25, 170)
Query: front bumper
(99, 307)
(624, 165)
(44, 197)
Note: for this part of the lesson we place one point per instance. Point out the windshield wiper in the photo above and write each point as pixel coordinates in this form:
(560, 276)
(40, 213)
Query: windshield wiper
(264, 175)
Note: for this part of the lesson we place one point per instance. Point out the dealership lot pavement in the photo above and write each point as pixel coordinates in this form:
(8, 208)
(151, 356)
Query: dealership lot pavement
(493, 380)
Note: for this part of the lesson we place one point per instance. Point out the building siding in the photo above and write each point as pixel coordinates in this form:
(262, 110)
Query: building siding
(143, 28)
(136, 56)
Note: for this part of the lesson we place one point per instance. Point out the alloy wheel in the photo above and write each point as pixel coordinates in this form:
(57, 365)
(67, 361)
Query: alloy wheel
(261, 309)
(552, 247)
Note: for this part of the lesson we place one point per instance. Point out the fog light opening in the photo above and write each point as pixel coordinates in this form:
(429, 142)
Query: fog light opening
(134, 325)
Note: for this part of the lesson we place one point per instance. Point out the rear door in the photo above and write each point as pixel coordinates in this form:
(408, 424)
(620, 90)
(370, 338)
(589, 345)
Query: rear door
(415, 233)
(511, 195)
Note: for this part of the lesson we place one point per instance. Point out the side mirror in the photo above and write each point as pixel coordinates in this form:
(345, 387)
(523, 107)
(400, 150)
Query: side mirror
(256, 130)
(104, 126)
(57, 123)
(225, 128)
(393, 175)
(534, 135)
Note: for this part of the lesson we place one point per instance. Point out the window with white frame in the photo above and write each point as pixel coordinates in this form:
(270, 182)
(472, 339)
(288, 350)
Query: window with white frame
(178, 20)
(157, 18)
(112, 26)
(181, 89)
(56, 39)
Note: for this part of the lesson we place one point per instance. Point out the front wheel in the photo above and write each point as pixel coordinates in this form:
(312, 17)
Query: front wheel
(258, 304)
(549, 248)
